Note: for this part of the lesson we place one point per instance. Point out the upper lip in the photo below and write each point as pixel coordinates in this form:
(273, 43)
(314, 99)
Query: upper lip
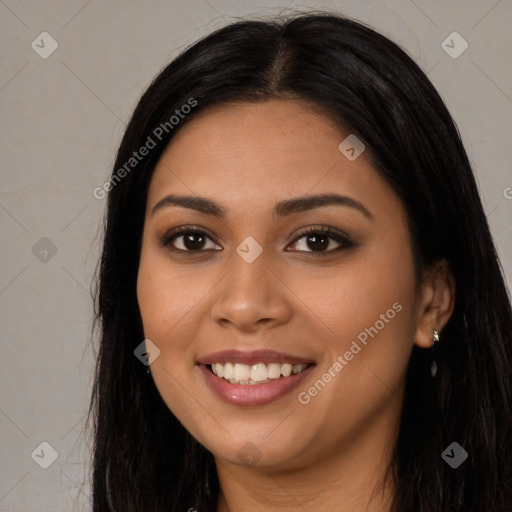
(252, 357)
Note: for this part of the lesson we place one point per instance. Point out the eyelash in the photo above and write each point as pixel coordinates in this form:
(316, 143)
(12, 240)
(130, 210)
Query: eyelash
(339, 237)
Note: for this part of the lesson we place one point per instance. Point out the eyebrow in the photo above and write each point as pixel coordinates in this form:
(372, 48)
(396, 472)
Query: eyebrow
(281, 209)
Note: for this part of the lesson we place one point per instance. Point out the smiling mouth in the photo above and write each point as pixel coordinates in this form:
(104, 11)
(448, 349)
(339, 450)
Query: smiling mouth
(259, 373)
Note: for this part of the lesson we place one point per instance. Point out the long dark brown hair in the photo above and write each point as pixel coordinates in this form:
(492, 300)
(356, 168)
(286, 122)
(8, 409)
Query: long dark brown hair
(143, 459)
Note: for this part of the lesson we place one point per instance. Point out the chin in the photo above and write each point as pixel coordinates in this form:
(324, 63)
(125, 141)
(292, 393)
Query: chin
(262, 447)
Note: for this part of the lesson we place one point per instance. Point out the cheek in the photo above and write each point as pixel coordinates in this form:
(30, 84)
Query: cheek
(368, 309)
(365, 313)
(163, 304)
(166, 301)
(348, 299)
(166, 295)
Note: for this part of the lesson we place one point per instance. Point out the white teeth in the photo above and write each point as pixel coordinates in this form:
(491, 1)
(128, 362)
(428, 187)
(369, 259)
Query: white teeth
(242, 372)
(259, 373)
(274, 371)
(286, 370)
(218, 369)
(297, 368)
(229, 371)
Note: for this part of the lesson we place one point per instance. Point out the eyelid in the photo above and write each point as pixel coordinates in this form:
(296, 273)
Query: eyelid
(343, 239)
(182, 230)
(320, 228)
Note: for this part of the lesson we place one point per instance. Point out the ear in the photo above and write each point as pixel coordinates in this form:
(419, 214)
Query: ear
(435, 304)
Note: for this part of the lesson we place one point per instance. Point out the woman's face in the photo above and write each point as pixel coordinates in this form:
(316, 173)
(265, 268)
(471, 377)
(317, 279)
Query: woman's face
(256, 298)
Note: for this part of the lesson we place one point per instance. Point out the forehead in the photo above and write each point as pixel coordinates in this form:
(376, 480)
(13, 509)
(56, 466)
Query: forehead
(253, 154)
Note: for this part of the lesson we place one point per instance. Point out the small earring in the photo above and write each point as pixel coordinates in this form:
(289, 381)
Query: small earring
(433, 366)
(147, 371)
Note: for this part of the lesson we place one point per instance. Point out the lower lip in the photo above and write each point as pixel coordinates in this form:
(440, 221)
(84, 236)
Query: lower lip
(253, 394)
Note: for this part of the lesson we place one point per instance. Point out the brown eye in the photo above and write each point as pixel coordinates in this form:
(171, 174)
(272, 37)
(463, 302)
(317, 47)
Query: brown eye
(321, 240)
(318, 240)
(188, 240)
(194, 241)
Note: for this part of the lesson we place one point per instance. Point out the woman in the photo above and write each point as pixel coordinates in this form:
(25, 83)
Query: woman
(300, 301)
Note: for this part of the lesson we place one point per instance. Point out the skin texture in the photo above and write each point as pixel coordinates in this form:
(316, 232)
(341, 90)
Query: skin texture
(334, 450)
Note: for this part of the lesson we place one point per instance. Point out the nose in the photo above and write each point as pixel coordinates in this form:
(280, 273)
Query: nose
(251, 296)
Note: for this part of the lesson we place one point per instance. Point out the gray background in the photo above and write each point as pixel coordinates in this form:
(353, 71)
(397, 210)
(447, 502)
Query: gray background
(62, 120)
